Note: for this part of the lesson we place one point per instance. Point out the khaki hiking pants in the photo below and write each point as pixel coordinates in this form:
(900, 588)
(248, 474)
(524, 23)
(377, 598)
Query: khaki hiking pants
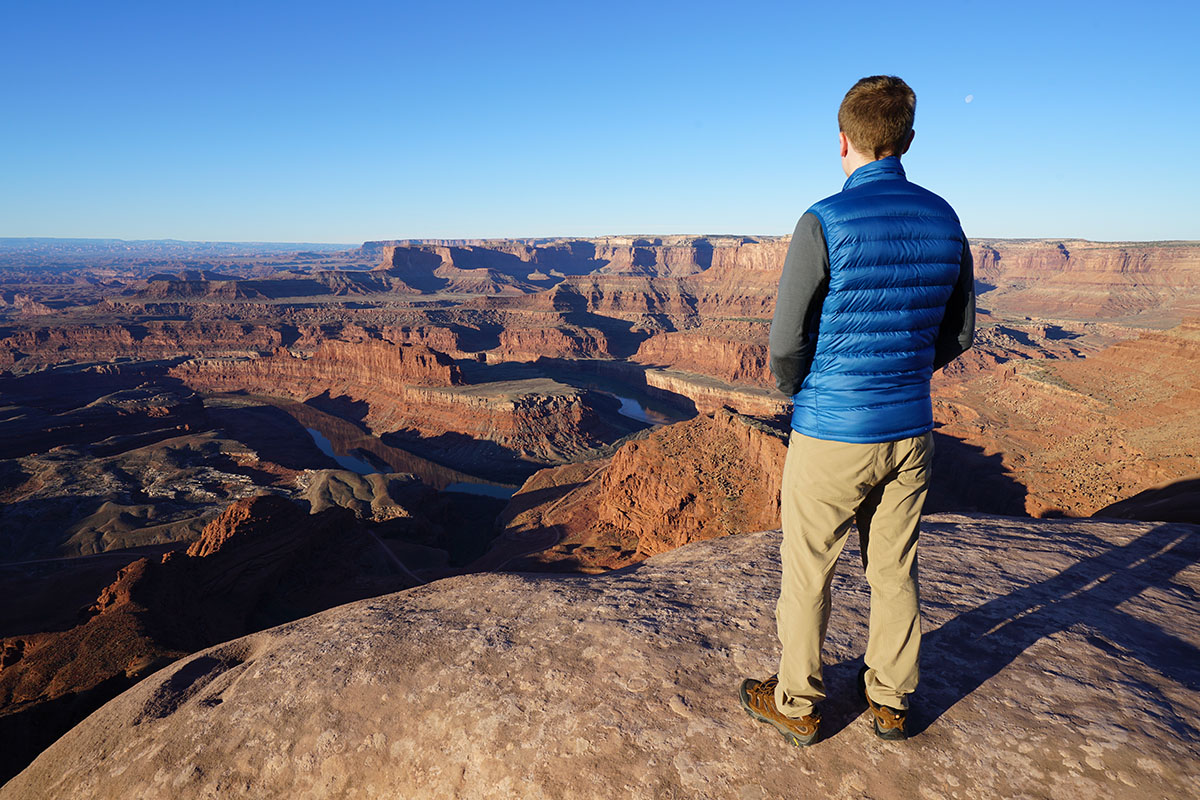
(827, 486)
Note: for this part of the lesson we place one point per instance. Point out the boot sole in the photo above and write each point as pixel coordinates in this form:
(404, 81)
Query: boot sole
(790, 736)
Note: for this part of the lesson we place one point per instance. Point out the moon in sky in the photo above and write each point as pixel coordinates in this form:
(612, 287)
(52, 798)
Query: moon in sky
(969, 98)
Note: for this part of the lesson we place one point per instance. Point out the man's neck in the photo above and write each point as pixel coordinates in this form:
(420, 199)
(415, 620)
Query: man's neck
(854, 159)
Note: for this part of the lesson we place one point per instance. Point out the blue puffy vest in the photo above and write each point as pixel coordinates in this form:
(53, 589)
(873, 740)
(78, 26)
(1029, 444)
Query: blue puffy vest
(895, 251)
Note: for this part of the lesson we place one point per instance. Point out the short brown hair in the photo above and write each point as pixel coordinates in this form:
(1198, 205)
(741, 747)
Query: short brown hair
(877, 115)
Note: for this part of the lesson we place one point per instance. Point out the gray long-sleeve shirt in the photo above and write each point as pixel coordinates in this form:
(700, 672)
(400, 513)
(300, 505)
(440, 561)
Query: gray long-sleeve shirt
(802, 289)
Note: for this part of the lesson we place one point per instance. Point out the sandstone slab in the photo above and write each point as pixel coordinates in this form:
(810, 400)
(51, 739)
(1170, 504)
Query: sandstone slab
(1060, 661)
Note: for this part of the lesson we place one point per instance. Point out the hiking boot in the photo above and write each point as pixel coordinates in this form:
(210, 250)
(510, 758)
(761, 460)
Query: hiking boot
(889, 722)
(758, 698)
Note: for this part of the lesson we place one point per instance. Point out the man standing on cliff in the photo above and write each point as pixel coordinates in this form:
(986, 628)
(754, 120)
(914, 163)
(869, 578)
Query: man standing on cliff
(877, 292)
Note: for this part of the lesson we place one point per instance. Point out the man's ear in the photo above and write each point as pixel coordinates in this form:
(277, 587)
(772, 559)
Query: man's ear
(908, 142)
(845, 143)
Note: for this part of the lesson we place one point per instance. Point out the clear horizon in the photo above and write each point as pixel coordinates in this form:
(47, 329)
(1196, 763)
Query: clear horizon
(972, 238)
(293, 123)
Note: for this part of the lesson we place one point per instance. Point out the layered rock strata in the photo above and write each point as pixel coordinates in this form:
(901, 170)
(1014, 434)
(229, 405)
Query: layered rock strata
(733, 353)
(711, 476)
(33, 348)
(1089, 280)
(709, 395)
(341, 368)
(736, 276)
(412, 389)
(665, 256)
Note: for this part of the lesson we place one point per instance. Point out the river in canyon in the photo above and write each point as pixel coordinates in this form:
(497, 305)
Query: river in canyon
(357, 461)
(345, 460)
(636, 411)
(366, 455)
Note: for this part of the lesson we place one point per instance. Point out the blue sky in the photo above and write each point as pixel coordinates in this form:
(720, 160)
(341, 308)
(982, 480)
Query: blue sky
(342, 122)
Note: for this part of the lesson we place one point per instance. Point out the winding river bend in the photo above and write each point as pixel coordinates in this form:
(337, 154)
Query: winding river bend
(353, 457)
(636, 411)
(359, 464)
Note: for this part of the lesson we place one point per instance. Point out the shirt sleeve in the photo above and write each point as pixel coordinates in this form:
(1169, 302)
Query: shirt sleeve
(802, 288)
(958, 325)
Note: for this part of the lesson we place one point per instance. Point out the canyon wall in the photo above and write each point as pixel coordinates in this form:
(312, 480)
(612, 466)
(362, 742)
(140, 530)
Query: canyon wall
(659, 256)
(31, 348)
(735, 353)
(559, 341)
(710, 476)
(411, 388)
(710, 395)
(341, 368)
(1089, 280)
(736, 276)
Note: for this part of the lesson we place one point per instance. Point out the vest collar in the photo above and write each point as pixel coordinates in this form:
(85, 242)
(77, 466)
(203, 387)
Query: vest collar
(883, 169)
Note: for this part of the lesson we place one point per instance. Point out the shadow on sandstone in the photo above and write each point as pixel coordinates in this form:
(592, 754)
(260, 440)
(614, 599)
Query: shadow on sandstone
(966, 479)
(28, 729)
(275, 435)
(263, 562)
(56, 389)
(85, 524)
(341, 406)
(481, 336)
(968, 650)
(109, 413)
(622, 377)
(1174, 502)
(622, 336)
(480, 457)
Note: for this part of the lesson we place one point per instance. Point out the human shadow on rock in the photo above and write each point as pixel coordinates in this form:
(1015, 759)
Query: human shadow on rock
(966, 651)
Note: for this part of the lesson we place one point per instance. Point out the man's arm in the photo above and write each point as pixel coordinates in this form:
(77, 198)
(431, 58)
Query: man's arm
(802, 289)
(958, 326)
